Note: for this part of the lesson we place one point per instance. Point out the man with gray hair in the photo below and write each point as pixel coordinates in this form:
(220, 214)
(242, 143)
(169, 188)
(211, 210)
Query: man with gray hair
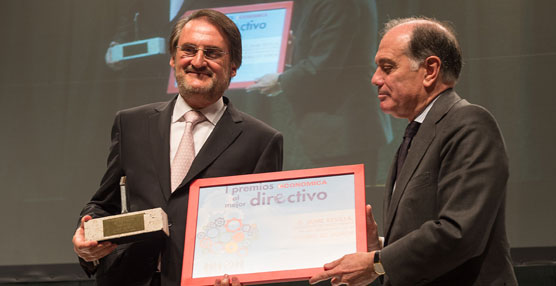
(444, 207)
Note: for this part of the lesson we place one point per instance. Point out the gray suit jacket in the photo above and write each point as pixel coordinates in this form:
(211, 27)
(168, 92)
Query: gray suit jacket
(239, 144)
(444, 224)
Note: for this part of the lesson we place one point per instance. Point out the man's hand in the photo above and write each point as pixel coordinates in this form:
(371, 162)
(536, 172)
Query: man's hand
(226, 281)
(356, 268)
(89, 250)
(373, 243)
(267, 84)
(352, 269)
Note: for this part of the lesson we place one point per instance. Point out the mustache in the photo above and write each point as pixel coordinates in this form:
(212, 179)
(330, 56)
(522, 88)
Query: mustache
(382, 91)
(203, 70)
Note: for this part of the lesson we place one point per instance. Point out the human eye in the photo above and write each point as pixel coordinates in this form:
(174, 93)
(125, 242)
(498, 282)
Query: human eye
(189, 50)
(213, 53)
(386, 68)
(386, 65)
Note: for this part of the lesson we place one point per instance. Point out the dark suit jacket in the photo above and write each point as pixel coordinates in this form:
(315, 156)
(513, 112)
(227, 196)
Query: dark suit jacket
(328, 84)
(444, 224)
(239, 144)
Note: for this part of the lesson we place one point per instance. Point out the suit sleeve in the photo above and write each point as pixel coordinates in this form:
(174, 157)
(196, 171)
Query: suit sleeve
(271, 159)
(472, 171)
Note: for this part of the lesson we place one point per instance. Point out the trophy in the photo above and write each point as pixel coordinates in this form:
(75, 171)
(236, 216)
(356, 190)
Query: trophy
(128, 226)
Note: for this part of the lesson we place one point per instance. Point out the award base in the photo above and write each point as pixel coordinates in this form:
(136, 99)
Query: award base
(128, 227)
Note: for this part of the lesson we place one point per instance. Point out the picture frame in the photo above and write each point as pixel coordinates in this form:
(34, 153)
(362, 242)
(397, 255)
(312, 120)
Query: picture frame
(273, 227)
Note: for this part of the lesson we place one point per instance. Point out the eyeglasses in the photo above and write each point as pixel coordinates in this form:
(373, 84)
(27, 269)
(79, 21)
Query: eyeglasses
(209, 53)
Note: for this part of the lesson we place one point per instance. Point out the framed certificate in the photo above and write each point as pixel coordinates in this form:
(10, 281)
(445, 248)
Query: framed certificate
(273, 227)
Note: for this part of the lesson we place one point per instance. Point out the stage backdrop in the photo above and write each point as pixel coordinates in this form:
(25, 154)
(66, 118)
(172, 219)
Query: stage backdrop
(65, 71)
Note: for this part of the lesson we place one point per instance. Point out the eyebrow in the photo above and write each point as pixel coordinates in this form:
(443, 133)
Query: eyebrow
(382, 61)
(205, 47)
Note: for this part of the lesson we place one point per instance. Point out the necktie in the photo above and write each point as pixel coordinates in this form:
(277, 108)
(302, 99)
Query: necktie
(186, 151)
(410, 131)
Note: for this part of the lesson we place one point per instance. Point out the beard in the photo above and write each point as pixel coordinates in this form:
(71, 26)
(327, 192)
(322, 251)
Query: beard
(210, 92)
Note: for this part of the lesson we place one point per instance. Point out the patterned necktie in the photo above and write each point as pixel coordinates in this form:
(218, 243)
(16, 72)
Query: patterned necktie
(410, 131)
(186, 151)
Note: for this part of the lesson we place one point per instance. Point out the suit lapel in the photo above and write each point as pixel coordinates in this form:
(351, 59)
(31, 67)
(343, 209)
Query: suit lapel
(224, 134)
(159, 138)
(419, 146)
(390, 183)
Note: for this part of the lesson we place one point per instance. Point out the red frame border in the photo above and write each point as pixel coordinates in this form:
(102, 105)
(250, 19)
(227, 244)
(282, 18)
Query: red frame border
(288, 5)
(274, 276)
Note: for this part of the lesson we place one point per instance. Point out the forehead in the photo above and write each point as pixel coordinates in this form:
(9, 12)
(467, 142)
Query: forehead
(394, 44)
(201, 32)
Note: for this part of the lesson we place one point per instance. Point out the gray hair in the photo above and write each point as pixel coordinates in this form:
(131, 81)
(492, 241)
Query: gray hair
(431, 37)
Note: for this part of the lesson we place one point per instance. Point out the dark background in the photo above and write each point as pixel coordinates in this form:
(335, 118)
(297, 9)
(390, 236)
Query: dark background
(58, 100)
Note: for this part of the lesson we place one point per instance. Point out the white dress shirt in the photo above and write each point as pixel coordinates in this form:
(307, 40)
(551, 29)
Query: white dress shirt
(202, 130)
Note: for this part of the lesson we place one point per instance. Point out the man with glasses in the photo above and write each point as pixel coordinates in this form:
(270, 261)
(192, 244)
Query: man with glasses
(205, 50)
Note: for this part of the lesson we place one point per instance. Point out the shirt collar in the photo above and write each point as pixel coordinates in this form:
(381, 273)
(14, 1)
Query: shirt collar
(421, 117)
(212, 112)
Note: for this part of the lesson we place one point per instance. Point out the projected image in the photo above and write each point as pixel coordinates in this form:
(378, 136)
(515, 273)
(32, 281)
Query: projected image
(117, 53)
(70, 66)
(306, 70)
(264, 32)
(325, 90)
(264, 39)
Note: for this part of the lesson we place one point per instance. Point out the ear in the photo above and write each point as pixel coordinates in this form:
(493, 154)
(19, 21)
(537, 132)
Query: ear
(233, 71)
(432, 67)
(172, 63)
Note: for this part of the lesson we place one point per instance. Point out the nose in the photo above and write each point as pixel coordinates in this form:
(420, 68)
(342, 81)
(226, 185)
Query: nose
(198, 61)
(377, 78)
